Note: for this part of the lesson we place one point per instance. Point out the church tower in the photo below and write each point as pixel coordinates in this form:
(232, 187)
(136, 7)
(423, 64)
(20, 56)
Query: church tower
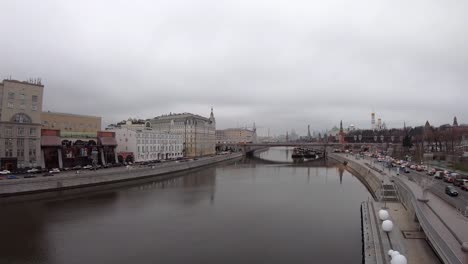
(212, 118)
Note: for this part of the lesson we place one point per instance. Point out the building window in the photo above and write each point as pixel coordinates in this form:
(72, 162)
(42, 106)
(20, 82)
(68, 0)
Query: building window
(8, 147)
(32, 131)
(10, 105)
(11, 96)
(21, 96)
(34, 107)
(34, 98)
(21, 131)
(21, 118)
(20, 142)
(8, 131)
(20, 153)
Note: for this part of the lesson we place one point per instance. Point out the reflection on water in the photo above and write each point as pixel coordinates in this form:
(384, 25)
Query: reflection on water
(246, 212)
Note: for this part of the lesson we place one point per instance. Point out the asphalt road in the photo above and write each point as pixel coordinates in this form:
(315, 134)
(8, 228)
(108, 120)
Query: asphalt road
(437, 188)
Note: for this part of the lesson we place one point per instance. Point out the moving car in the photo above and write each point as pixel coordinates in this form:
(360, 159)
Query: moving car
(4, 172)
(438, 174)
(464, 185)
(87, 167)
(10, 177)
(450, 190)
(54, 170)
(33, 170)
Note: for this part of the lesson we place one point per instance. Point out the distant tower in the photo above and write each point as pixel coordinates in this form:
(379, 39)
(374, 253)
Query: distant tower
(373, 121)
(342, 134)
(308, 133)
(287, 136)
(455, 122)
(254, 133)
(379, 124)
(212, 118)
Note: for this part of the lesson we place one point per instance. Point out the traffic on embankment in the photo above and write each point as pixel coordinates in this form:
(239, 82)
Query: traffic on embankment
(445, 229)
(86, 178)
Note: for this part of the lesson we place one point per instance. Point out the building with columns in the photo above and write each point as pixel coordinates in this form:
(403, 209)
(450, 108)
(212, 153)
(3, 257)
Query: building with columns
(138, 140)
(198, 132)
(69, 140)
(20, 123)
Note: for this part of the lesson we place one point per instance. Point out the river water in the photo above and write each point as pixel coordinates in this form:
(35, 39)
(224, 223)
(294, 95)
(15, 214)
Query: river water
(259, 210)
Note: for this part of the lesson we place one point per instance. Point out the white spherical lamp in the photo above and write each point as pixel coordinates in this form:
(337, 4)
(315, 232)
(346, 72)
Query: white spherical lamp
(390, 252)
(383, 215)
(387, 225)
(394, 253)
(399, 259)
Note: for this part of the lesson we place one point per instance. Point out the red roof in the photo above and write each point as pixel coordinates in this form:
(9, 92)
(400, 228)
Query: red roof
(108, 141)
(51, 141)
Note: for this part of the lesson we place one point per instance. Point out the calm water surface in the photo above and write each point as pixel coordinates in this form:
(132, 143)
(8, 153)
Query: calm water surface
(254, 211)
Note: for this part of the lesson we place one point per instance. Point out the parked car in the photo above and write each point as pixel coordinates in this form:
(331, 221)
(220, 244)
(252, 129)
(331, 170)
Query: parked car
(4, 172)
(464, 185)
(54, 170)
(77, 167)
(33, 170)
(450, 190)
(10, 177)
(87, 167)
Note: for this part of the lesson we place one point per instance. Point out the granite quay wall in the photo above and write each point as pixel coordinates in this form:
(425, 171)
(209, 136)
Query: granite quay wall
(105, 176)
(370, 178)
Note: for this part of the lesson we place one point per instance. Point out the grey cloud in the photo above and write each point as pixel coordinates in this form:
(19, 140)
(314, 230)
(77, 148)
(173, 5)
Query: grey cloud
(283, 64)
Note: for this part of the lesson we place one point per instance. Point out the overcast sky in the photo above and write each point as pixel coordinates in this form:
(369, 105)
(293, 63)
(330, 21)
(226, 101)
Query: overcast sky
(283, 64)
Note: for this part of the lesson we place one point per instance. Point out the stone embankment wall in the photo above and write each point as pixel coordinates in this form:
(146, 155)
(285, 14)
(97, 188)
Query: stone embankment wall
(370, 178)
(104, 176)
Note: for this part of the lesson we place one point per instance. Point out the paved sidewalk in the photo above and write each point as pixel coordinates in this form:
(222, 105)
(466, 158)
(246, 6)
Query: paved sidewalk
(446, 220)
(417, 250)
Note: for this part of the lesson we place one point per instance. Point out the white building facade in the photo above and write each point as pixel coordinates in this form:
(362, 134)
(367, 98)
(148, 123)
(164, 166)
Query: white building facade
(198, 133)
(146, 143)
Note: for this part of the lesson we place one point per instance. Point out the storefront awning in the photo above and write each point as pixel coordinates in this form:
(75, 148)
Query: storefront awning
(107, 141)
(51, 141)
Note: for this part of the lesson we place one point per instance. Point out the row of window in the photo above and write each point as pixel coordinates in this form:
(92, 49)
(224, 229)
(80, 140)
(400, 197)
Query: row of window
(153, 135)
(154, 141)
(21, 106)
(21, 96)
(68, 125)
(20, 148)
(20, 131)
(158, 148)
(160, 155)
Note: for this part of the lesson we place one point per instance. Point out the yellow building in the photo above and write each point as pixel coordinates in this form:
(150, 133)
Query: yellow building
(71, 125)
(236, 135)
